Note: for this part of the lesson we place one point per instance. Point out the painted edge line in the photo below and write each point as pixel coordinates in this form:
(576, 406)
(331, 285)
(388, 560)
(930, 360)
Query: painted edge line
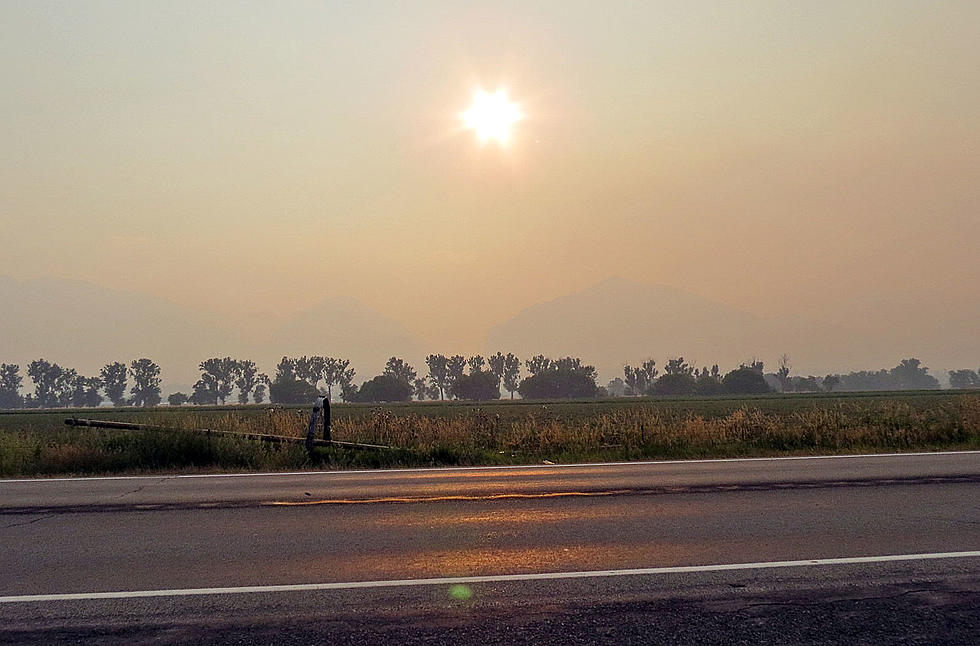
(491, 578)
(576, 465)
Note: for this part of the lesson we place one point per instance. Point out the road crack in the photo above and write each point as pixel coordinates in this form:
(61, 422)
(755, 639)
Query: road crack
(30, 522)
(141, 488)
(883, 597)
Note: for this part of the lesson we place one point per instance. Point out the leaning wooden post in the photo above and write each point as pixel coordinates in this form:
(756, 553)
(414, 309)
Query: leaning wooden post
(311, 429)
(326, 419)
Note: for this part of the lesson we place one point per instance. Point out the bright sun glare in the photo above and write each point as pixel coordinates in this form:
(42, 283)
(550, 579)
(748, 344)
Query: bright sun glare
(491, 116)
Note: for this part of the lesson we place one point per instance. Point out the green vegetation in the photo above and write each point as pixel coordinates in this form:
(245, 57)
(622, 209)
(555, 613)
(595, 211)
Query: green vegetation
(299, 380)
(499, 432)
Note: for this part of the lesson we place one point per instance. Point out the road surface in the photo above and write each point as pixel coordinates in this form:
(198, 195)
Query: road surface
(867, 549)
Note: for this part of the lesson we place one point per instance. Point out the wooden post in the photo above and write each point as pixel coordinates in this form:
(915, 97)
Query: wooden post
(311, 429)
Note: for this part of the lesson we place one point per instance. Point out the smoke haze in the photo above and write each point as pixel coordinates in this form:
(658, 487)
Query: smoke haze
(808, 170)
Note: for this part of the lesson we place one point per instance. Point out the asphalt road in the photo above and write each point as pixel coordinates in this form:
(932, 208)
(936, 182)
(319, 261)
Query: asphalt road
(745, 551)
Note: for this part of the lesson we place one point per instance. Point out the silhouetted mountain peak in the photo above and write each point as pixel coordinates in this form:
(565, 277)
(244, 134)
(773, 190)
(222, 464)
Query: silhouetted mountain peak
(618, 320)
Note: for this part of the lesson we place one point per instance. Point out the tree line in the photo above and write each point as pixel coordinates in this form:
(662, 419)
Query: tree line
(453, 377)
(57, 387)
(301, 379)
(679, 378)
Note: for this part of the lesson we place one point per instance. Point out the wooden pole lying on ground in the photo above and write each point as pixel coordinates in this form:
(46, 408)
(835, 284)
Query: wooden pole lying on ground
(278, 439)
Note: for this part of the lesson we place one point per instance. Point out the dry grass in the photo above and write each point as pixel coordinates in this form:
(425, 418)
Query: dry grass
(482, 436)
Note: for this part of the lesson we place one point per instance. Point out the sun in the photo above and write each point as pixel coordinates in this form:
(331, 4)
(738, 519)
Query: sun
(491, 116)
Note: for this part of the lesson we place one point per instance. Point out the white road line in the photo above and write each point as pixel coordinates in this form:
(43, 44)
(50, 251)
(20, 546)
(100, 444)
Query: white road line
(493, 578)
(584, 465)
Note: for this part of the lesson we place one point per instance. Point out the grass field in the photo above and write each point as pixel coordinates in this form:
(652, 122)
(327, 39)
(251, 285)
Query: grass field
(503, 432)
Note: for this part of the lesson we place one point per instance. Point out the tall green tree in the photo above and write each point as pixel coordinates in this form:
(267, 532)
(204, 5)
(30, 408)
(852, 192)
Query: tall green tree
(420, 388)
(438, 373)
(245, 379)
(10, 384)
(310, 369)
(537, 364)
(782, 374)
(399, 369)
(746, 380)
(205, 391)
(286, 369)
(84, 391)
(456, 368)
(558, 384)
(348, 391)
(333, 370)
(296, 380)
(480, 385)
(678, 367)
(961, 379)
(45, 376)
(497, 363)
(634, 379)
(64, 387)
(476, 364)
(649, 368)
(640, 378)
(222, 372)
(10, 378)
(910, 374)
(708, 382)
(563, 378)
(512, 374)
(113, 377)
(261, 385)
(384, 388)
(675, 383)
(574, 364)
(146, 382)
(292, 391)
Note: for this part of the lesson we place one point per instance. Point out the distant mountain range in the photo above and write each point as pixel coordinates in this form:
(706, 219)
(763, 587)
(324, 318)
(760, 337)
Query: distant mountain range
(84, 326)
(619, 321)
(614, 322)
(343, 327)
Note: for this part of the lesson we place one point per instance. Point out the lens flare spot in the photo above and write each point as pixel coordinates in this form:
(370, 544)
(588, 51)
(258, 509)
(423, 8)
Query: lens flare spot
(460, 592)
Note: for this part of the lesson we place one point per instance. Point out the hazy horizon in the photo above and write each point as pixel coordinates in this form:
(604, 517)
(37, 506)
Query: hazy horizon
(250, 161)
(83, 326)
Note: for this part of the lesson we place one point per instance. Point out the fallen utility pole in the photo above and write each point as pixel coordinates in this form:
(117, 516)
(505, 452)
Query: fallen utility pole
(277, 439)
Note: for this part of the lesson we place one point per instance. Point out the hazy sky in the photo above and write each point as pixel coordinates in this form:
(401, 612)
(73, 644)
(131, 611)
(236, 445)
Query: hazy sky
(249, 157)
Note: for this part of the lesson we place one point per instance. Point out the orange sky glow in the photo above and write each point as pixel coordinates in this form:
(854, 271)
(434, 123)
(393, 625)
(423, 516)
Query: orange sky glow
(246, 159)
